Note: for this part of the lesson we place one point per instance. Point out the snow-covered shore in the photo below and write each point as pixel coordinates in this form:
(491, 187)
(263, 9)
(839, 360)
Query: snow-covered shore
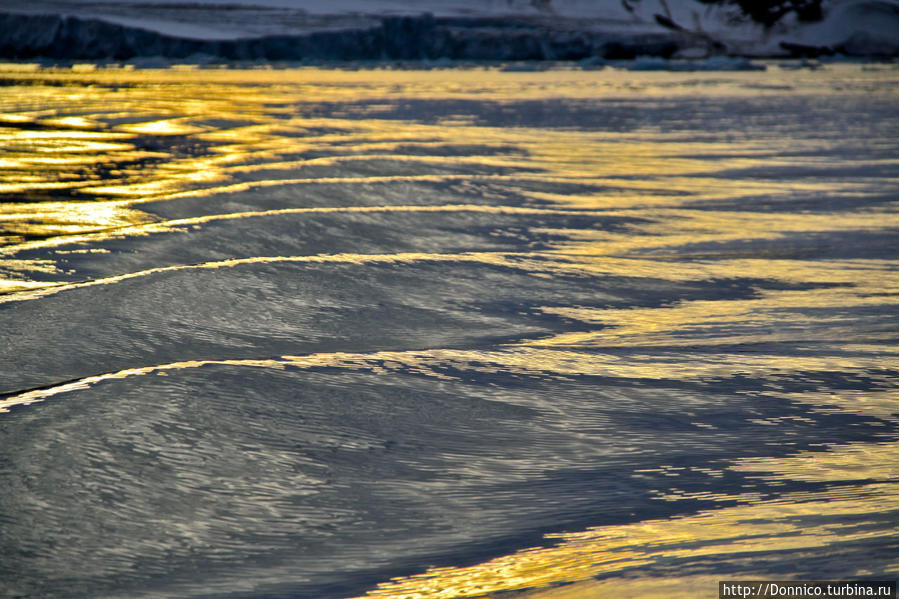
(461, 30)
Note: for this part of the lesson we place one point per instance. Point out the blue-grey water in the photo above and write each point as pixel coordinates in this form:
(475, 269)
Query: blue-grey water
(319, 333)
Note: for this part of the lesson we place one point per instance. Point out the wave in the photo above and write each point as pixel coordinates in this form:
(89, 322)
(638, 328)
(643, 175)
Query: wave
(381, 333)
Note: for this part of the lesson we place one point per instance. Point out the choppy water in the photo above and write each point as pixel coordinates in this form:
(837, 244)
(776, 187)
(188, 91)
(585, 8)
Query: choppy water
(384, 333)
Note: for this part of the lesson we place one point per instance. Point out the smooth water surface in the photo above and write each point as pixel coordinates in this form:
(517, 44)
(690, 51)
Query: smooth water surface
(442, 333)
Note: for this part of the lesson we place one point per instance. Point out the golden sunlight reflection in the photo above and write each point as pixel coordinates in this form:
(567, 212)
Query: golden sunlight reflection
(163, 127)
(787, 315)
(96, 155)
(792, 522)
(227, 116)
(54, 218)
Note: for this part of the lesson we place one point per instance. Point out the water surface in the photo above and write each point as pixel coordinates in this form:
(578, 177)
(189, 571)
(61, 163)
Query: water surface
(443, 333)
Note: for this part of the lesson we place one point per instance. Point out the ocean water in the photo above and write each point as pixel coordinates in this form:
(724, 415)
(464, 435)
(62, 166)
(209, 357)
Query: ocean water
(332, 333)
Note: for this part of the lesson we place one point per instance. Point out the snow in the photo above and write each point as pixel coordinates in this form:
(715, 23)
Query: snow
(855, 27)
